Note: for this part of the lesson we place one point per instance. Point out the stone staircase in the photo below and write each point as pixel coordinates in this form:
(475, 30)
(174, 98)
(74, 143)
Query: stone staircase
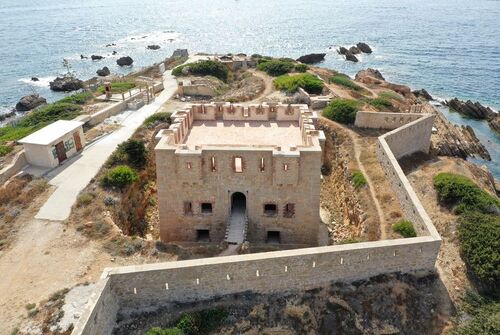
(237, 225)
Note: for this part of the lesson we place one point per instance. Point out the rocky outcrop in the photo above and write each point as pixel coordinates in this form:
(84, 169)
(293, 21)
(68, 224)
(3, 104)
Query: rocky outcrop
(83, 57)
(125, 61)
(66, 84)
(342, 50)
(103, 72)
(350, 57)
(422, 93)
(110, 45)
(96, 57)
(153, 47)
(374, 73)
(354, 50)
(30, 102)
(178, 53)
(365, 48)
(34, 79)
(494, 122)
(471, 109)
(311, 58)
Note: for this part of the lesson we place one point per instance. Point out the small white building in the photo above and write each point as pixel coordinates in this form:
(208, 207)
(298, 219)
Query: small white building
(53, 144)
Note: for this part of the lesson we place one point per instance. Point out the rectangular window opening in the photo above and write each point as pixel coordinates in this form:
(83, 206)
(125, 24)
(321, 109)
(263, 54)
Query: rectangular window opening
(285, 167)
(289, 211)
(238, 164)
(206, 207)
(273, 236)
(188, 208)
(213, 164)
(188, 166)
(262, 167)
(270, 209)
(202, 235)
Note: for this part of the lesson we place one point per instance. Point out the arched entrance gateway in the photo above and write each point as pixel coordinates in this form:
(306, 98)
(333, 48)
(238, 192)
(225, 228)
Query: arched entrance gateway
(238, 203)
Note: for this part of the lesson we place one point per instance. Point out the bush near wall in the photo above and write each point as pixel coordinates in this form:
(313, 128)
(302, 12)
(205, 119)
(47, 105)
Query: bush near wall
(275, 67)
(404, 228)
(291, 83)
(162, 117)
(358, 179)
(204, 68)
(133, 152)
(462, 194)
(343, 80)
(342, 110)
(380, 103)
(118, 87)
(119, 176)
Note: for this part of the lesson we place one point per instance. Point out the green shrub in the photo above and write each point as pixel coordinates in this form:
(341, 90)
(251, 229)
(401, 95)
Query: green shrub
(301, 67)
(275, 67)
(164, 331)
(307, 81)
(4, 150)
(463, 195)
(481, 316)
(204, 68)
(343, 80)
(157, 118)
(479, 236)
(404, 228)
(341, 110)
(391, 95)
(118, 87)
(119, 176)
(136, 152)
(380, 103)
(85, 198)
(358, 179)
(49, 114)
(202, 322)
(77, 98)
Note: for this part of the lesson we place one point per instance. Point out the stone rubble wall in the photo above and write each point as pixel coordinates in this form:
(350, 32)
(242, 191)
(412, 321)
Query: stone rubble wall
(18, 162)
(145, 287)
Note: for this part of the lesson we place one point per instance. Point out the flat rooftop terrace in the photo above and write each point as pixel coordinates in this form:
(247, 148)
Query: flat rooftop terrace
(284, 134)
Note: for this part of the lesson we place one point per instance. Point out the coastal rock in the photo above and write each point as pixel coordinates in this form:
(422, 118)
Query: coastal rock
(125, 61)
(364, 48)
(29, 102)
(153, 47)
(471, 109)
(342, 50)
(114, 52)
(66, 84)
(178, 53)
(110, 45)
(96, 57)
(494, 122)
(350, 57)
(103, 72)
(83, 57)
(311, 58)
(354, 50)
(374, 73)
(422, 93)
(34, 79)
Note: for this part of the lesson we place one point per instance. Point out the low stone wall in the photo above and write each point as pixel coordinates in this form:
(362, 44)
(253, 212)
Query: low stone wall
(107, 112)
(384, 120)
(146, 287)
(14, 167)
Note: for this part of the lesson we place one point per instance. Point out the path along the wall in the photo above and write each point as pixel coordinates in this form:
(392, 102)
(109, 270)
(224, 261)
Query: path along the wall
(135, 288)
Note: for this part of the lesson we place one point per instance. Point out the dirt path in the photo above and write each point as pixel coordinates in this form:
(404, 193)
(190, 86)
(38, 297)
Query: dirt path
(269, 86)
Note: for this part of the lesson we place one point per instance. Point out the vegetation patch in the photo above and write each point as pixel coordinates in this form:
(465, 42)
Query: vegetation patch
(5, 149)
(157, 118)
(275, 67)
(307, 81)
(85, 199)
(204, 68)
(380, 103)
(479, 236)
(342, 110)
(481, 316)
(301, 67)
(118, 87)
(391, 95)
(196, 323)
(461, 194)
(78, 98)
(358, 179)
(344, 80)
(404, 228)
(119, 176)
(133, 152)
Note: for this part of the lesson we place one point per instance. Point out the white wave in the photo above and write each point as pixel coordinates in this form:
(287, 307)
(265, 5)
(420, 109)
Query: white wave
(154, 37)
(42, 81)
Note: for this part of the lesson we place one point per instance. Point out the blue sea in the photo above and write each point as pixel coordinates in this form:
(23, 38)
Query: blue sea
(449, 47)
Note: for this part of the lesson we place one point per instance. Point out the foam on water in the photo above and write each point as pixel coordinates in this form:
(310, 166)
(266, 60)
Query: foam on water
(42, 81)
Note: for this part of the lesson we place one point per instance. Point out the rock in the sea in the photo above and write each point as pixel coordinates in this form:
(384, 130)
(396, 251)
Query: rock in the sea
(364, 48)
(103, 72)
(153, 47)
(180, 53)
(471, 109)
(110, 45)
(423, 94)
(494, 122)
(369, 73)
(342, 50)
(350, 57)
(354, 50)
(66, 84)
(34, 79)
(114, 52)
(125, 61)
(311, 58)
(29, 102)
(96, 57)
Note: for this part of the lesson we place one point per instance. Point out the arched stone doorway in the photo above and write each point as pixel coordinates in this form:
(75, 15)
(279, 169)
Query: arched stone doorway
(238, 203)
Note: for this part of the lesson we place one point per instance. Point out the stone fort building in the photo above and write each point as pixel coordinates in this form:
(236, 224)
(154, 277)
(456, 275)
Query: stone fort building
(232, 172)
